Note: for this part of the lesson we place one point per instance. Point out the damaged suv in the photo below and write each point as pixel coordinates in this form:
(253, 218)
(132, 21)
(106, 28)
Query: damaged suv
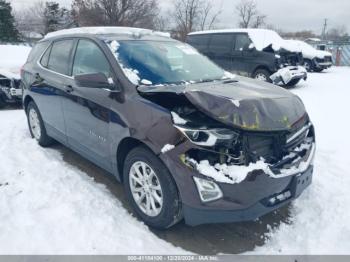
(258, 53)
(10, 88)
(188, 139)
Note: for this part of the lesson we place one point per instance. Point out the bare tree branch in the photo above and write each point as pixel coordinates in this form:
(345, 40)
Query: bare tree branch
(249, 15)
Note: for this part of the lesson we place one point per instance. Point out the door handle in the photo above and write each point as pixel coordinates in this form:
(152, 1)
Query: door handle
(68, 89)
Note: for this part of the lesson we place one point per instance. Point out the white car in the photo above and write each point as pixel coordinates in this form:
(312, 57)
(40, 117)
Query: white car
(314, 60)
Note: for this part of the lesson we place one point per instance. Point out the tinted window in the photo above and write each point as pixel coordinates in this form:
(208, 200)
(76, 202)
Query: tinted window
(221, 44)
(37, 50)
(59, 60)
(45, 58)
(200, 42)
(242, 42)
(90, 59)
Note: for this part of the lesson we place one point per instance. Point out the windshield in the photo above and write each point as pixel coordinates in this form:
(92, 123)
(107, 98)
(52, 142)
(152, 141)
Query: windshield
(162, 63)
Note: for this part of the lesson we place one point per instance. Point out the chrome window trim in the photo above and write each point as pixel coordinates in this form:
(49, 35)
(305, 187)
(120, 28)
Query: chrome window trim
(49, 70)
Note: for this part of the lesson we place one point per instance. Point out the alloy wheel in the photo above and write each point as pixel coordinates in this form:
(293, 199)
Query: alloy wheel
(261, 77)
(146, 189)
(34, 123)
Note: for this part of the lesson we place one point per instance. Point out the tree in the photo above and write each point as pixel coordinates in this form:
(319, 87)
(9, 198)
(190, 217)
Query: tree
(192, 15)
(56, 17)
(8, 30)
(135, 13)
(44, 17)
(249, 15)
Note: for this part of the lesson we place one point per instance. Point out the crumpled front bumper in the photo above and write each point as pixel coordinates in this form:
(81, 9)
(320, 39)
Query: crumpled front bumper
(287, 74)
(262, 191)
(12, 93)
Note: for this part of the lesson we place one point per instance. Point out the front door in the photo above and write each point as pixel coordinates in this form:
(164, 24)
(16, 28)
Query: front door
(87, 110)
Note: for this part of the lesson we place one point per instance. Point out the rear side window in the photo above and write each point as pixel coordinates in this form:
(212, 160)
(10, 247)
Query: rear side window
(200, 42)
(242, 42)
(221, 44)
(89, 58)
(45, 58)
(60, 56)
(37, 51)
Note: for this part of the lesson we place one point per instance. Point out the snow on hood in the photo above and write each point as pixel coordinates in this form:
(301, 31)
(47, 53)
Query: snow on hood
(100, 30)
(8, 74)
(308, 51)
(13, 57)
(261, 38)
(245, 104)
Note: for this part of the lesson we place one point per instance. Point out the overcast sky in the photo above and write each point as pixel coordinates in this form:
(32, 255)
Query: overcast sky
(288, 15)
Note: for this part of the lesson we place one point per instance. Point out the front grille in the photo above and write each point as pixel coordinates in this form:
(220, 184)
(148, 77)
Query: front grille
(258, 146)
(273, 147)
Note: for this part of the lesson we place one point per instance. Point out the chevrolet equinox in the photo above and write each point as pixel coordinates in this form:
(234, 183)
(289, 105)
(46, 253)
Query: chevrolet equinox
(187, 139)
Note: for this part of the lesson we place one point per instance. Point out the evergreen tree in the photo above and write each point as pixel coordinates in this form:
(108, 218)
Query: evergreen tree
(8, 30)
(55, 17)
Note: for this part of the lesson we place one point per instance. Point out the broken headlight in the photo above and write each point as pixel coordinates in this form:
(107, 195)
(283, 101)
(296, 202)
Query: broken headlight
(209, 137)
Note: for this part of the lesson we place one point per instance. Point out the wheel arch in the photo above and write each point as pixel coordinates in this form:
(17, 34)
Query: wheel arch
(26, 102)
(124, 147)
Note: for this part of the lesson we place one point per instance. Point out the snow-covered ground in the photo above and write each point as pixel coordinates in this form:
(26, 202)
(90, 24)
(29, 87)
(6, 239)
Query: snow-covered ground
(48, 206)
(12, 57)
(320, 218)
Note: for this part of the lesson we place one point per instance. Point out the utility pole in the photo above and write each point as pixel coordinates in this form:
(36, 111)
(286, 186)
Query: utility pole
(324, 31)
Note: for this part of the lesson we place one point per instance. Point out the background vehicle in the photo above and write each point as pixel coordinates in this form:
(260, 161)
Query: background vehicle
(257, 53)
(10, 88)
(160, 116)
(314, 60)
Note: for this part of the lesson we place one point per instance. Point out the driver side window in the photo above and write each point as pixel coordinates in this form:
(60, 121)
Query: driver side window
(90, 59)
(242, 42)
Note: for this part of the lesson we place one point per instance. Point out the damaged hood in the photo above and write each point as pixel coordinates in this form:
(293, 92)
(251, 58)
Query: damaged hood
(246, 103)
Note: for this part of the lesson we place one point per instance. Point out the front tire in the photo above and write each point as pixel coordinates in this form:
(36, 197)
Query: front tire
(308, 65)
(262, 75)
(36, 125)
(151, 189)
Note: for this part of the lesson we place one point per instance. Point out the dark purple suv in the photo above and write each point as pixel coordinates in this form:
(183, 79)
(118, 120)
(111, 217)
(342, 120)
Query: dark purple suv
(187, 139)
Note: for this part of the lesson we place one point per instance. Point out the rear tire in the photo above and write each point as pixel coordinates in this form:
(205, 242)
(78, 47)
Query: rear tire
(145, 178)
(36, 125)
(263, 75)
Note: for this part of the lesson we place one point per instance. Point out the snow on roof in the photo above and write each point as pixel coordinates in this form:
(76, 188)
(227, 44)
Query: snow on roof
(106, 30)
(308, 51)
(261, 38)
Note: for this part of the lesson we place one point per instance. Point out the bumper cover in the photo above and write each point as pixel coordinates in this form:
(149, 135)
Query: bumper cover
(287, 74)
(195, 216)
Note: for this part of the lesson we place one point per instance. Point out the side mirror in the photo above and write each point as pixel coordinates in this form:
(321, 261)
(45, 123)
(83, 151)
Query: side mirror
(95, 80)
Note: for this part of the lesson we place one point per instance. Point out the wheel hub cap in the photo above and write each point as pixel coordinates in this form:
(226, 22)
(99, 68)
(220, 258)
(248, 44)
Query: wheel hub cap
(146, 189)
(34, 124)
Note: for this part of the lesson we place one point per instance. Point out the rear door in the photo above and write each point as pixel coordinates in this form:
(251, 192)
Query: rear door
(87, 110)
(50, 77)
(220, 50)
(241, 56)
